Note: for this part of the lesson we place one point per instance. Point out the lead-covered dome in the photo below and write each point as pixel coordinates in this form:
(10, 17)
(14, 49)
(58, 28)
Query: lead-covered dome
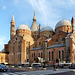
(47, 28)
(23, 27)
(63, 22)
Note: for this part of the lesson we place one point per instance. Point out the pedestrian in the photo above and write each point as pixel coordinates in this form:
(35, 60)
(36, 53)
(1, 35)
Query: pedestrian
(54, 67)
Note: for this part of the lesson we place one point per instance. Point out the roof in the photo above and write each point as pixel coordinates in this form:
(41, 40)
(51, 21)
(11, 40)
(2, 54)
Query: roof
(44, 36)
(38, 48)
(47, 28)
(48, 39)
(59, 31)
(55, 46)
(34, 26)
(23, 27)
(69, 34)
(63, 22)
(3, 52)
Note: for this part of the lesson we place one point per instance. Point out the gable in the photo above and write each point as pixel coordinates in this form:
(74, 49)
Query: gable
(40, 41)
(57, 38)
(42, 38)
(16, 38)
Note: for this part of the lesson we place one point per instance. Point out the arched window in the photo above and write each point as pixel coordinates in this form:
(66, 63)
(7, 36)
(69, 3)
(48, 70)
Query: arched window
(62, 54)
(59, 54)
(41, 54)
(52, 55)
(33, 36)
(63, 39)
(13, 49)
(56, 40)
(39, 43)
(49, 56)
(34, 54)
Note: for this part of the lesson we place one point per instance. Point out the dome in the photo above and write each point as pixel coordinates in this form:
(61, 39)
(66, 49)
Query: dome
(63, 22)
(47, 28)
(23, 27)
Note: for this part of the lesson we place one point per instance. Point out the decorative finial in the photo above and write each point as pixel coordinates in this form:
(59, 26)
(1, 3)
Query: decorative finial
(34, 12)
(34, 18)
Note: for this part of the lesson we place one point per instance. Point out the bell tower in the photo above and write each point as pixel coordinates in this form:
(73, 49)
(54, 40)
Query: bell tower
(12, 31)
(72, 23)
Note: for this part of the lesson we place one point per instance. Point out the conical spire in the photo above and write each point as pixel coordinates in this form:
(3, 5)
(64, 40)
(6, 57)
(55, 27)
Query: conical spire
(34, 18)
(34, 26)
(13, 20)
(12, 34)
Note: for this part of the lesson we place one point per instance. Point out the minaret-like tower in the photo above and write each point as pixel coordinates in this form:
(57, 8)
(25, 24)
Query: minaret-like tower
(72, 23)
(12, 33)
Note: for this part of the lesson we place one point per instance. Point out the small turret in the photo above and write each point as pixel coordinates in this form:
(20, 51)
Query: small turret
(39, 26)
(72, 23)
(12, 33)
(39, 29)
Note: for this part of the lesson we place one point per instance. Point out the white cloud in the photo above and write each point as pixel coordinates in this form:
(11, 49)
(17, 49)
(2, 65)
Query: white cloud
(4, 7)
(45, 9)
(2, 42)
(51, 11)
(40, 6)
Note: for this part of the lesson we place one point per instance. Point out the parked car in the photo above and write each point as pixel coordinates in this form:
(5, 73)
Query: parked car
(36, 64)
(62, 65)
(72, 66)
(3, 68)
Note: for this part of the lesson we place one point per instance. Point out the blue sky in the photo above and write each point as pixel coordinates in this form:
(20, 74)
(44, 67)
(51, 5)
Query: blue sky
(48, 12)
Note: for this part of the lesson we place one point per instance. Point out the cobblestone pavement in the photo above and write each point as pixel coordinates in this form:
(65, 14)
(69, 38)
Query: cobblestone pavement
(41, 72)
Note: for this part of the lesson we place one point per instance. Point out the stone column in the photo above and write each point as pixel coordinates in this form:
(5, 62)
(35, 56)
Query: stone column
(45, 51)
(23, 51)
(68, 49)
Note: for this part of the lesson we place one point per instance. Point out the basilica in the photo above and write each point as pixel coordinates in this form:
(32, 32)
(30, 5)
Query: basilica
(27, 44)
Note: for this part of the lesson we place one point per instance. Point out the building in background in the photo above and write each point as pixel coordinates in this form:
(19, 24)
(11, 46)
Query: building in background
(28, 44)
